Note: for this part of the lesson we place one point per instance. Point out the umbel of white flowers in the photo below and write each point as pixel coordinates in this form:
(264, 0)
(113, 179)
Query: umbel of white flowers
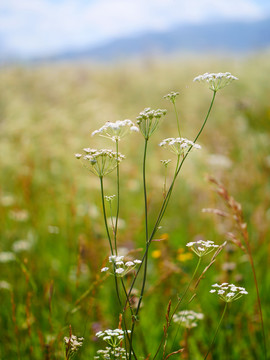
(228, 292)
(187, 318)
(216, 81)
(116, 130)
(113, 337)
(178, 145)
(119, 266)
(148, 121)
(72, 344)
(100, 162)
(202, 247)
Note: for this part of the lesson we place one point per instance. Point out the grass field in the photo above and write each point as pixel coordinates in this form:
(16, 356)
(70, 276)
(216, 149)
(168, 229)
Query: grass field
(53, 242)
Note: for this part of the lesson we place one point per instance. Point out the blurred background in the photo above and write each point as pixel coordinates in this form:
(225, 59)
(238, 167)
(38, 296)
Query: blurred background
(67, 67)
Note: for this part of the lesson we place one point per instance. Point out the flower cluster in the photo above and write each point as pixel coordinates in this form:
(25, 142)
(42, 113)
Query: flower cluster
(113, 337)
(111, 354)
(202, 247)
(148, 121)
(216, 81)
(228, 292)
(178, 145)
(72, 345)
(116, 130)
(171, 96)
(119, 267)
(187, 318)
(100, 162)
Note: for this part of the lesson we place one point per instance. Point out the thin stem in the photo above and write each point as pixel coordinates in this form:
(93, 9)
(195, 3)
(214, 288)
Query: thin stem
(177, 119)
(216, 332)
(146, 241)
(118, 198)
(177, 306)
(104, 213)
(168, 195)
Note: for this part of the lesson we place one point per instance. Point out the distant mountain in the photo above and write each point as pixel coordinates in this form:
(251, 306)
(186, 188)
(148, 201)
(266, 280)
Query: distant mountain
(233, 37)
(215, 37)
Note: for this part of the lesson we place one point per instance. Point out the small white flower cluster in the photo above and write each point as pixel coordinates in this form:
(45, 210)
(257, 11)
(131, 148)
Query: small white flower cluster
(202, 247)
(216, 81)
(72, 344)
(228, 292)
(119, 267)
(148, 121)
(116, 130)
(100, 162)
(171, 96)
(165, 162)
(109, 198)
(113, 337)
(111, 353)
(187, 318)
(178, 145)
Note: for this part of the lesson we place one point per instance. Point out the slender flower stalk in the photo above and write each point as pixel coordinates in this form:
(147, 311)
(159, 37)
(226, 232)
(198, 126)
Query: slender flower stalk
(216, 332)
(104, 214)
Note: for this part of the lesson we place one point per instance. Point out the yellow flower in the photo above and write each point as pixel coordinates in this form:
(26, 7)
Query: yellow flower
(156, 254)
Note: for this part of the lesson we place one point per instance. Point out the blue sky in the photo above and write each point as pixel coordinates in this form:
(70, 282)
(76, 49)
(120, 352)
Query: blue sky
(43, 27)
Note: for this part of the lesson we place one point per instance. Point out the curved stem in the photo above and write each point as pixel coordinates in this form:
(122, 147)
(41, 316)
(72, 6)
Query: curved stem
(104, 213)
(216, 332)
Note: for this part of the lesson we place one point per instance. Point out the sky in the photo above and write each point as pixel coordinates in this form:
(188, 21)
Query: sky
(46, 27)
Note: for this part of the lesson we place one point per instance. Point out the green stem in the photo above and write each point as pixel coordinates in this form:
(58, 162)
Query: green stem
(118, 199)
(104, 213)
(168, 195)
(216, 332)
(177, 306)
(177, 119)
(146, 241)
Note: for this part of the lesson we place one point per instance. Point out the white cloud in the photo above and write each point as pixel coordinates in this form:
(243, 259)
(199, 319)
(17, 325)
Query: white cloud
(44, 26)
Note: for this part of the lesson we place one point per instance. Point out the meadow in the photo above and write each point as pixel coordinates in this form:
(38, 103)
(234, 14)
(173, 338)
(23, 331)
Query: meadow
(53, 240)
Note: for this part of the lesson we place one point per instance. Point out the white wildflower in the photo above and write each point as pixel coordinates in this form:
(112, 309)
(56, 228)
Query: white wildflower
(100, 162)
(229, 292)
(171, 96)
(7, 256)
(148, 121)
(72, 343)
(116, 130)
(216, 81)
(187, 318)
(178, 146)
(201, 247)
(119, 267)
(113, 337)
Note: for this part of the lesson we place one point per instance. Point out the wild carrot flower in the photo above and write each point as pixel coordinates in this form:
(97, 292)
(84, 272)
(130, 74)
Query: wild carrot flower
(178, 145)
(116, 130)
(148, 121)
(187, 318)
(72, 345)
(119, 266)
(228, 292)
(113, 337)
(216, 81)
(202, 247)
(100, 162)
(171, 96)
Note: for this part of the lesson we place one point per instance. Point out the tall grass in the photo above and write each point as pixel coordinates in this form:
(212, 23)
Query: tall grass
(47, 201)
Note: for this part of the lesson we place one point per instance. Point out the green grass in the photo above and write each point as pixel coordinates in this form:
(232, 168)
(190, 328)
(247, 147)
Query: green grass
(47, 114)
